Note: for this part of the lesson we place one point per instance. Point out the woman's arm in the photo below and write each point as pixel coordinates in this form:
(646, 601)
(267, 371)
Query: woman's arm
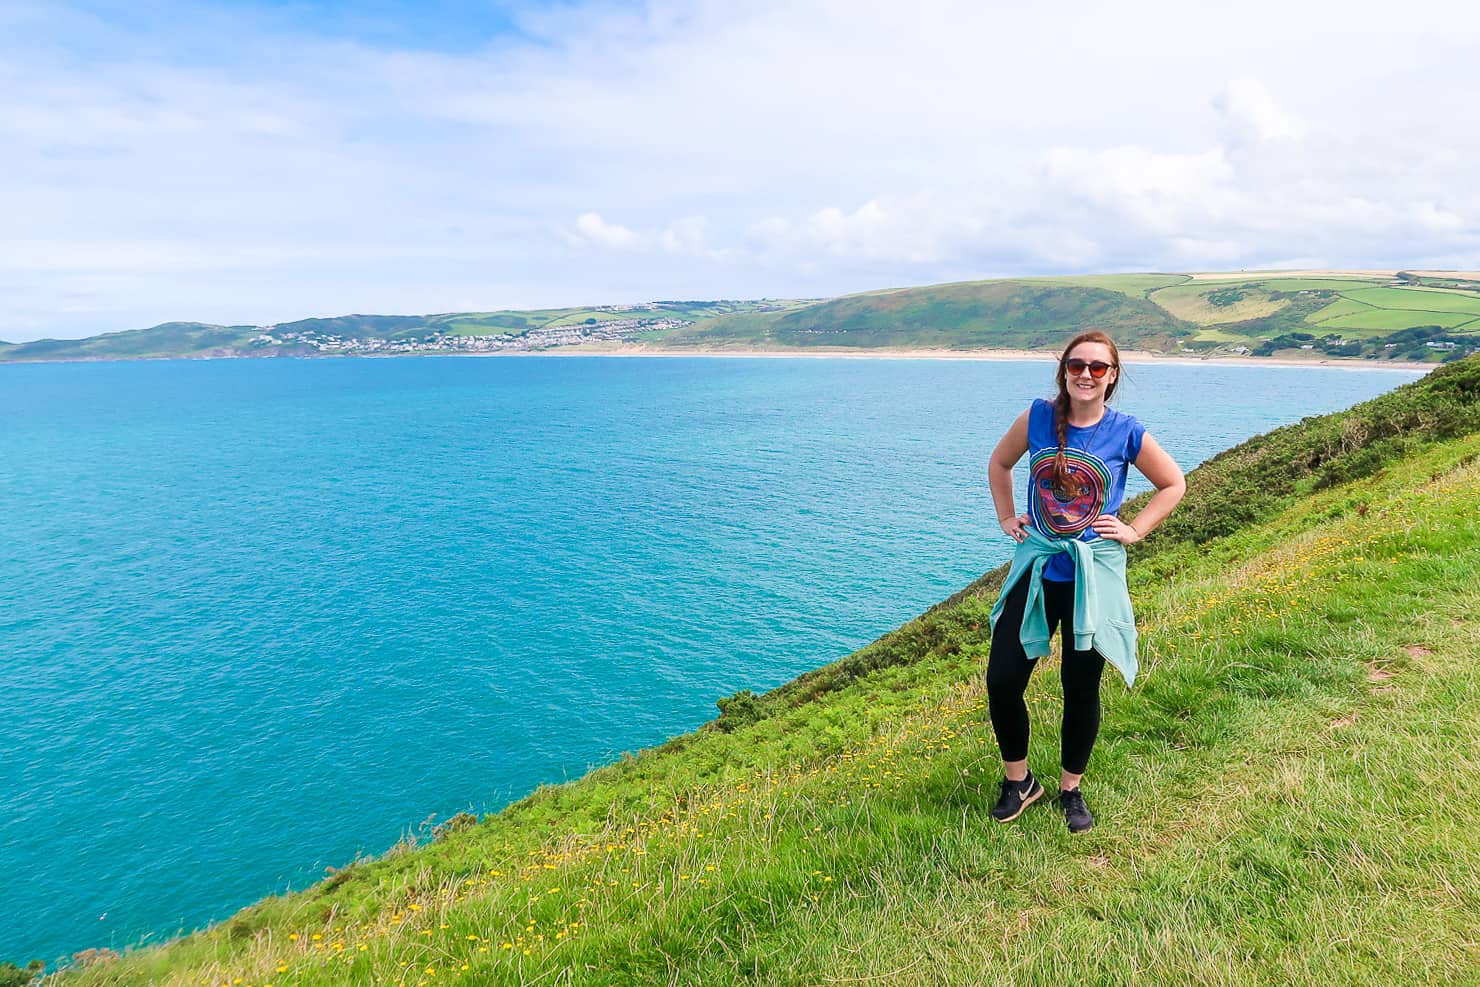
(999, 477)
(1166, 476)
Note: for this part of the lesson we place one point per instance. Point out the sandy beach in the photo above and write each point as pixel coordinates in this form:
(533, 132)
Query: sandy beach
(834, 353)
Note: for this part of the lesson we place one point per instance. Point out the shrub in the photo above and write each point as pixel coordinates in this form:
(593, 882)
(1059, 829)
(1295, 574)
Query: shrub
(15, 976)
(1252, 480)
(739, 710)
(454, 824)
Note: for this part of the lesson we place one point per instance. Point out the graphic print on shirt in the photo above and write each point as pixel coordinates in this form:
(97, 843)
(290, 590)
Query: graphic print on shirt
(1066, 513)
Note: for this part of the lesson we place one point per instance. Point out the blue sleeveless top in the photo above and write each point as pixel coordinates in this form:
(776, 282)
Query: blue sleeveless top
(1099, 458)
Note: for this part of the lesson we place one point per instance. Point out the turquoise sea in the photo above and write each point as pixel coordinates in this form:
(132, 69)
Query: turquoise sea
(258, 617)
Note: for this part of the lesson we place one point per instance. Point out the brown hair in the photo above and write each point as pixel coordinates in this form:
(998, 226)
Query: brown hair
(1063, 480)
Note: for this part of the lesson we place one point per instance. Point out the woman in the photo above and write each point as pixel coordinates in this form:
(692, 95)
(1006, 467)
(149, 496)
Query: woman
(1069, 568)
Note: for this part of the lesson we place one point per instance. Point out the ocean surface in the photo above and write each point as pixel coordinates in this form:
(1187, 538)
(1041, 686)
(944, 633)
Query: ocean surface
(258, 617)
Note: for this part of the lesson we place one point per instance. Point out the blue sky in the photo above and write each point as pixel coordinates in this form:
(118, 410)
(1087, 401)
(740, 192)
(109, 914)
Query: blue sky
(249, 163)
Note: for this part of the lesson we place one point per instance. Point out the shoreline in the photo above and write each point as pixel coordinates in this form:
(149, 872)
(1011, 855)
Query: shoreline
(1130, 357)
(1127, 356)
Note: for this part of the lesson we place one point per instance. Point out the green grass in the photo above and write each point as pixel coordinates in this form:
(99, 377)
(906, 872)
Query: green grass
(1193, 302)
(1339, 308)
(1209, 335)
(1321, 284)
(742, 329)
(1389, 320)
(1198, 300)
(1355, 309)
(484, 323)
(1130, 285)
(496, 323)
(963, 316)
(172, 339)
(1417, 300)
(1283, 798)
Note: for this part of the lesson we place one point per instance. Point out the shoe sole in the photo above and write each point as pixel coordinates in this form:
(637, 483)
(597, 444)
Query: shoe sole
(1026, 802)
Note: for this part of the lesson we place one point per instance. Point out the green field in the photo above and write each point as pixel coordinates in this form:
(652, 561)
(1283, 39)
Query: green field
(1219, 336)
(1417, 300)
(1389, 320)
(1283, 798)
(496, 323)
(1194, 302)
(484, 323)
(1317, 284)
(1339, 308)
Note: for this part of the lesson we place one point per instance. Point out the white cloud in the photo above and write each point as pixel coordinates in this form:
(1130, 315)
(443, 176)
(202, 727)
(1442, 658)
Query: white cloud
(1435, 219)
(1251, 113)
(1165, 193)
(593, 231)
(685, 237)
(705, 148)
(690, 236)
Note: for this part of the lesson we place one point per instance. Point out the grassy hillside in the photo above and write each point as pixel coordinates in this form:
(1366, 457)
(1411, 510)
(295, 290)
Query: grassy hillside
(973, 315)
(168, 339)
(1130, 285)
(1430, 318)
(196, 339)
(1394, 317)
(1284, 797)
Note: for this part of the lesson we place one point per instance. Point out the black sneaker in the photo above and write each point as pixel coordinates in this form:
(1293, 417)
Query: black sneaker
(1076, 813)
(1016, 796)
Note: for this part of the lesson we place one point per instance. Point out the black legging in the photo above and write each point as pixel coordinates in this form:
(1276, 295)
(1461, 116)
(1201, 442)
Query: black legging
(1008, 670)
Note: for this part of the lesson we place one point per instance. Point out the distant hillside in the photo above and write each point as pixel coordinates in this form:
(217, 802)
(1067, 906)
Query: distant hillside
(1402, 317)
(1282, 798)
(365, 334)
(1407, 316)
(1425, 317)
(972, 315)
(171, 339)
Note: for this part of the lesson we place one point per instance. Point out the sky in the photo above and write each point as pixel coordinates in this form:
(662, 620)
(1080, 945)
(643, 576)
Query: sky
(252, 162)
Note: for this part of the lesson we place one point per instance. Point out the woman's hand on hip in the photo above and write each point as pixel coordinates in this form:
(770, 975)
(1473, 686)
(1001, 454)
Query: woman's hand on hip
(1015, 527)
(1111, 527)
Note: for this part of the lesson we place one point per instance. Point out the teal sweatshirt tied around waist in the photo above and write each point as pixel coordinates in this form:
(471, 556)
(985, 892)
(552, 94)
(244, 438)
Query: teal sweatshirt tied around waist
(1103, 619)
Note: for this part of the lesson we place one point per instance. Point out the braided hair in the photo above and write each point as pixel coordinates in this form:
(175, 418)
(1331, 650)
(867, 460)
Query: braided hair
(1063, 480)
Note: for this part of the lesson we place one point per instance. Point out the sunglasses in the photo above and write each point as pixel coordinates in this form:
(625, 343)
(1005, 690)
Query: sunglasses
(1096, 368)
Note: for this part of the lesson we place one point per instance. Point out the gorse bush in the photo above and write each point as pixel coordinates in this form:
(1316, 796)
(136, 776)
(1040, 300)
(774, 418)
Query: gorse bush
(454, 824)
(1252, 480)
(15, 976)
(741, 709)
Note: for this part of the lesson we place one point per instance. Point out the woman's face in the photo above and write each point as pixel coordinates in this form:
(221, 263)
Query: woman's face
(1084, 387)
